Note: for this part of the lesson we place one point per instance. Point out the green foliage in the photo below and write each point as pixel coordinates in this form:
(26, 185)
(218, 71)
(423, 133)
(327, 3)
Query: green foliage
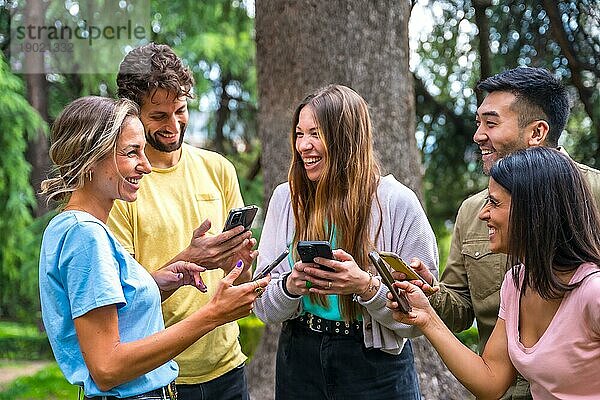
(251, 187)
(448, 66)
(469, 338)
(251, 329)
(219, 48)
(47, 384)
(19, 247)
(23, 342)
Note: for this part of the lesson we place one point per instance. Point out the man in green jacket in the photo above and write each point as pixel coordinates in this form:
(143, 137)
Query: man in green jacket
(524, 107)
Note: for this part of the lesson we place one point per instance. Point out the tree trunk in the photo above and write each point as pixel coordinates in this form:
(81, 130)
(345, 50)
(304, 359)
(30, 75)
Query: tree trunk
(37, 95)
(483, 25)
(306, 44)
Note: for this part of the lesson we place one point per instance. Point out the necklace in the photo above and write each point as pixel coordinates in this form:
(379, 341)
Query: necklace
(75, 208)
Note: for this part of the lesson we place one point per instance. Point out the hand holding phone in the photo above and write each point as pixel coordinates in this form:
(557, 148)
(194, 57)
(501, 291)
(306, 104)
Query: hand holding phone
(309, 249)
(386, 278)
(397, 264)
(271, 266)
(241, 216)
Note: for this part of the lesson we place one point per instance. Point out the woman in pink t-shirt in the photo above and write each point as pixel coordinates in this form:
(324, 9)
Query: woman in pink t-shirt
(541, 213)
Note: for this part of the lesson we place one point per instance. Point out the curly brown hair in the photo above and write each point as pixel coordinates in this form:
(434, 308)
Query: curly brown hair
(151, 67)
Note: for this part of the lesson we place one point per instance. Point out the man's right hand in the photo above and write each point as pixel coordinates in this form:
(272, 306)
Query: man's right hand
(219, 251)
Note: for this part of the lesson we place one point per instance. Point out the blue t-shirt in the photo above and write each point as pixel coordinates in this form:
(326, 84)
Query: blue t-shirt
(83, 267)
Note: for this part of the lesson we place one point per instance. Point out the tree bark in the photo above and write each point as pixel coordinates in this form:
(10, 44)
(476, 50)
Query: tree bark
(305, 44)
(37, 95)
(483, 25)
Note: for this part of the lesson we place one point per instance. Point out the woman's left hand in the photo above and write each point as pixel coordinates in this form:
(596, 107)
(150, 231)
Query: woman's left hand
(347, 278)
(178, 274)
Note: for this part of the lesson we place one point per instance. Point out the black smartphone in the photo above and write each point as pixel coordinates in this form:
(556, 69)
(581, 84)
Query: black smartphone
(309, 249)
(388, 280)
(240, 216)
(270, 267)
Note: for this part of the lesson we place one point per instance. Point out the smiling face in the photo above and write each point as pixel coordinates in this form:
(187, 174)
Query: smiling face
(164, 117)
(498, 132)
(118, 176)
(309, 145)
(496, 213)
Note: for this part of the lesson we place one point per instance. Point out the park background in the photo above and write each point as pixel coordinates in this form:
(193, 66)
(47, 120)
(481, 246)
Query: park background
(416, 63)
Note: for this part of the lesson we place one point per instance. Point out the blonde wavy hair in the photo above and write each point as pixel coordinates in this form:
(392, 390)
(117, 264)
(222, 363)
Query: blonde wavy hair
(84, 133)
(343, 195)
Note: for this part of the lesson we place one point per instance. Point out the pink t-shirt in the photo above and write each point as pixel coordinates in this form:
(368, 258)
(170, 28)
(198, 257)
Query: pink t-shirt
(565, 361)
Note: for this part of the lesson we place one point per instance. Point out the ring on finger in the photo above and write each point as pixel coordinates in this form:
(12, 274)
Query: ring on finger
(308, 284)
(259, 291)
(329, 285)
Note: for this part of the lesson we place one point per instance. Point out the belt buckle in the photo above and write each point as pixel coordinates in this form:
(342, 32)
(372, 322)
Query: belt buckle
(310, 321)
(171, 391)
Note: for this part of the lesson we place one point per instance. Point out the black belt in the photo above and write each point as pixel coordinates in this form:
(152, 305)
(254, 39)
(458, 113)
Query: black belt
(168, 392)
(322, 325)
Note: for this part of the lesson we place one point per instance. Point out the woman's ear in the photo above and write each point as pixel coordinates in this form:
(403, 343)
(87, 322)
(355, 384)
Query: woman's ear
(538, 132)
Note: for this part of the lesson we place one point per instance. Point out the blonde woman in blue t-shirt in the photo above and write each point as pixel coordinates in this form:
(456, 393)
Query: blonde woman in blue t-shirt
(101, 309)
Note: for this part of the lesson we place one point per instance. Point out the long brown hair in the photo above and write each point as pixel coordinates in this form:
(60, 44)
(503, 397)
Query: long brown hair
(342, 196)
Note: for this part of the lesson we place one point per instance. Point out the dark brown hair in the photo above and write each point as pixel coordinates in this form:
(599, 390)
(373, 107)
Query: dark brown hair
(153, 66)
(554, 224)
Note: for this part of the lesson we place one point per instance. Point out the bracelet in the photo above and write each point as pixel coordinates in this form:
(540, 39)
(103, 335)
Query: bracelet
(284, 287)
(369, 285)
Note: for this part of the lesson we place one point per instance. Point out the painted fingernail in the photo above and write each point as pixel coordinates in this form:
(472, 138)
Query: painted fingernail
(239, 264)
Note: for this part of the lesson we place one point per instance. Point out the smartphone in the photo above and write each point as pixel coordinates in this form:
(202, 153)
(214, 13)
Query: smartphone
(398, 264)
(241, 216)
(309, 249)
(388, 280)
(270, 267)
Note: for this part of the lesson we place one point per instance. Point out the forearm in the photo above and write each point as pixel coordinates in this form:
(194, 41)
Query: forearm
(468, 367)
(126, 361)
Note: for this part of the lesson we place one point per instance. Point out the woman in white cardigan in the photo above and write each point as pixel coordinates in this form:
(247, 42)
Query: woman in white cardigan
(338, 339)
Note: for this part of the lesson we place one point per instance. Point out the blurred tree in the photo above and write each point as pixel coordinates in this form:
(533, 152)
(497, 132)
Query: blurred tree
(303, 45)
(19, 246)
(219, 48)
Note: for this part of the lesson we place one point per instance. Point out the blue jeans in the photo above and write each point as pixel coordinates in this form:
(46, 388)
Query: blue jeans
(313, 365)
(230, 386)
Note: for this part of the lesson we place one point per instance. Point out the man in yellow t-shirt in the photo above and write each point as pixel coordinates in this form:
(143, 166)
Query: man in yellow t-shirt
(179, 213)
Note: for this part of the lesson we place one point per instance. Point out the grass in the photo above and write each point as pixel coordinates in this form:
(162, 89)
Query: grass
(47, 384)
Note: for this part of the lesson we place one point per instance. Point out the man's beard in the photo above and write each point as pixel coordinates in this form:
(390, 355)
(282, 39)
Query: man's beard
(157, 145)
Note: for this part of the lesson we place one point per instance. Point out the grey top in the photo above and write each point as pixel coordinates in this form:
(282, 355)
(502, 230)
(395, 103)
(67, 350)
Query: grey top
(405, 230)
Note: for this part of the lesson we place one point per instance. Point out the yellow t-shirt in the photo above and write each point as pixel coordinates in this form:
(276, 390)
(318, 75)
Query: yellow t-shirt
(171, 203)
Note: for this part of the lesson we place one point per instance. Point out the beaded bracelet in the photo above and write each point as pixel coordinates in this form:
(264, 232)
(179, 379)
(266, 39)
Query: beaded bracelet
(370, 285)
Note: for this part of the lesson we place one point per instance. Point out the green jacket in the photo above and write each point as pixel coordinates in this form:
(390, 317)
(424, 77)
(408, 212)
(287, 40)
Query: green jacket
(470, 284)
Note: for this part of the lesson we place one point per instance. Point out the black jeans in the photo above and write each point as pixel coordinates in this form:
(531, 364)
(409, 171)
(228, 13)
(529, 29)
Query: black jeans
(230, 386)
(314, 365)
